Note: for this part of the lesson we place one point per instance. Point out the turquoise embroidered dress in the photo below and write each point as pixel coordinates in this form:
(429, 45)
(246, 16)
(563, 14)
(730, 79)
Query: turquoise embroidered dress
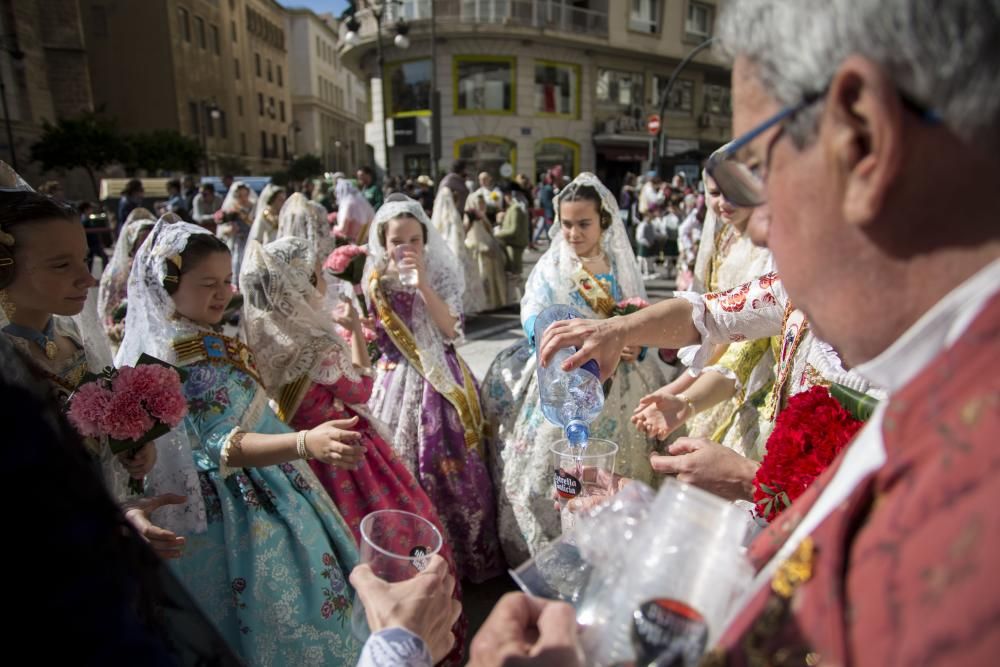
(271, 569)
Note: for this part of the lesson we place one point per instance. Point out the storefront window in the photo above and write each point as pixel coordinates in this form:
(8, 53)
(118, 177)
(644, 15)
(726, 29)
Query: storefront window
(484, 84)
(557, 89)
(408, 87)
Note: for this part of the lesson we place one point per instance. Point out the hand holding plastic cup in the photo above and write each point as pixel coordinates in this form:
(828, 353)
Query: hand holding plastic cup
(581, 472)
(397, 545)
(407, 272)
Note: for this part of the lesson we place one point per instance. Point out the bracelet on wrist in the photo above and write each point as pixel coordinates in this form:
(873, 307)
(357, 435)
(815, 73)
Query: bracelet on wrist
(690, 410)
(300, 446)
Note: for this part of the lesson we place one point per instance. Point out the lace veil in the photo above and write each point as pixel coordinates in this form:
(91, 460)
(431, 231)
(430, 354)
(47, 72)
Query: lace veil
(229, 203)
(353, 210)
(551, 281)
(286, 324)
(304, 219)
(256, 232)
(151, 326)
(115, 275)
(443, 274)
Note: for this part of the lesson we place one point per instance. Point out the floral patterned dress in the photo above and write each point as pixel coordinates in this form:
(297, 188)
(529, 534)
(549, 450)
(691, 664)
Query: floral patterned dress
(519, 447)
(272, 568)
(428, 437)
(382, 482)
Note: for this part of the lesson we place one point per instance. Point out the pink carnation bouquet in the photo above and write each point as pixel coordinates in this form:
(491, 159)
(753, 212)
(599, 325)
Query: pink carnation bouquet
(130, 406)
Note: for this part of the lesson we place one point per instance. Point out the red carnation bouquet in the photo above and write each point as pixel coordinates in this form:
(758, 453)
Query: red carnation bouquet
(130, 406)
(808, 435)
(347, 262)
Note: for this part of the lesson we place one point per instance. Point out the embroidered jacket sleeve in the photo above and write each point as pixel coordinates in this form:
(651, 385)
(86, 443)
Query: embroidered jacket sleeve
(751, 311)
(350, 391)
(395, 647)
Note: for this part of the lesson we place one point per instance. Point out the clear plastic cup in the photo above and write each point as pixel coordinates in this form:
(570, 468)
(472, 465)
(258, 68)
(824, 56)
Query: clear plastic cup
(397, 545)
(407, 274)
(581, 472)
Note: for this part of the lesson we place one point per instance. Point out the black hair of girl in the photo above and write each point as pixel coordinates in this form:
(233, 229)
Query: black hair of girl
(399, 196)
(20, 208)
(199, 246)
(582, 192)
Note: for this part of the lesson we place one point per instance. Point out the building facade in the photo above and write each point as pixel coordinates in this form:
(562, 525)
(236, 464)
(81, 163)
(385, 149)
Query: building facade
(44, 76)
(528, 84)
(214, 70)
(329, 102)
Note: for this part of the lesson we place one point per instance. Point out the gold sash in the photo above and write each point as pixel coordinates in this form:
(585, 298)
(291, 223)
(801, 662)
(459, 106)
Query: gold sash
(593, 292)
(290, 397)
(464, 398)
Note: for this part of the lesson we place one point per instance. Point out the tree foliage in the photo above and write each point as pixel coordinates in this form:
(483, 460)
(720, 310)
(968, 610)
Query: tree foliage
(88, 141)
(305, 167)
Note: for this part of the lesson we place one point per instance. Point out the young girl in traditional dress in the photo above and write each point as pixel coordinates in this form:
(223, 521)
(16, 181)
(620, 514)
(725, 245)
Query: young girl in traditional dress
(265, 222)
(315, 377)
(590, 266)
(44, 285)
(485, 250)
(237, 217)
(267, 552)
(424, 391)
(448, 221)
(114, 279)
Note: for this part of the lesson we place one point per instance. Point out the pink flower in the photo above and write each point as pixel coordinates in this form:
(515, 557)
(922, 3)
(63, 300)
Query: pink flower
(88, 407)
(636, 301)
(126, 418)
(340, 259)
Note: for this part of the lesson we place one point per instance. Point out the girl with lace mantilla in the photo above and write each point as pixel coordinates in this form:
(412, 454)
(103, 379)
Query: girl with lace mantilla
(722, 402)
(448, 222)
(114, 280)
(267, 552)
(590, 266)
(44, 283)
(237, 218)
(424, 391)
(265, 222)
(486, 252)
(314, 377)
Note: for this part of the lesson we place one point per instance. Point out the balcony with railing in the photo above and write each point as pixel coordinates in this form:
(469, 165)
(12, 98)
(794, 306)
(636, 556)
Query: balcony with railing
(540, 15)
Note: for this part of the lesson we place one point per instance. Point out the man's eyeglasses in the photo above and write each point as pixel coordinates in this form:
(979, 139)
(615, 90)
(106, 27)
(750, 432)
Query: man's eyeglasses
(745, 186)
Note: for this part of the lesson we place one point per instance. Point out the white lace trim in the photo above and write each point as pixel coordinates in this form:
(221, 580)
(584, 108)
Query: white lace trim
(224, 469)
(704, 349)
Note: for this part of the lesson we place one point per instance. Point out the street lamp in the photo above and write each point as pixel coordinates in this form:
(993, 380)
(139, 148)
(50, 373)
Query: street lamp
(18, 55)
(293, 129)
(214, 113)
(352, 38)
(661, 148)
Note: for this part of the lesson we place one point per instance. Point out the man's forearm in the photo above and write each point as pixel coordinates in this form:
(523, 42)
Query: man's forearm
(665, 324)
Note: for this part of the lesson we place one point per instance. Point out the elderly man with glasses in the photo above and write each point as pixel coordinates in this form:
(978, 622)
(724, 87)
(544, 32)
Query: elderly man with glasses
(868, 132)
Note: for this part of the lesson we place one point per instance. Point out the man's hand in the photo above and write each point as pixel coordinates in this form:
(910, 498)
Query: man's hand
(710, 466)
(423, 605)
(600, 340)
(524, 631)
(165, 543)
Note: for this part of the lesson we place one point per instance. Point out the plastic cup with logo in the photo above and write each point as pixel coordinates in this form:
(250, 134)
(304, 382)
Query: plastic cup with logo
(407, 274)
(581, 472)
(397, 545)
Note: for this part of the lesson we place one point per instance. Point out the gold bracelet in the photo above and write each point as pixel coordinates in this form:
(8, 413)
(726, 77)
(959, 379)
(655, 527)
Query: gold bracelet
(689, 403)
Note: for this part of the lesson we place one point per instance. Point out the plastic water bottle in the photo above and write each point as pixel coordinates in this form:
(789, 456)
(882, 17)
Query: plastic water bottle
(569, 399)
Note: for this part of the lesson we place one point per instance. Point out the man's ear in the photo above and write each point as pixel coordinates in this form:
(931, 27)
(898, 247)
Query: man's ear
(863, 136)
